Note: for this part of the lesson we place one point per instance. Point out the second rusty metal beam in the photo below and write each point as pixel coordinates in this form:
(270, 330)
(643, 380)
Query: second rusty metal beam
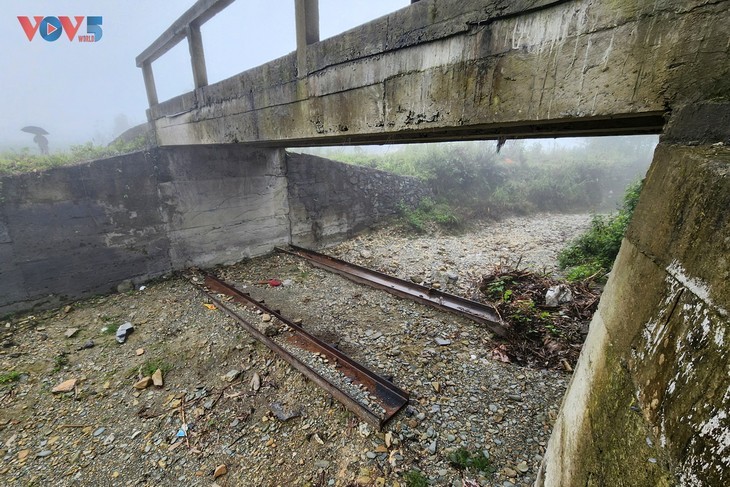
(382, 392)
(479, 312)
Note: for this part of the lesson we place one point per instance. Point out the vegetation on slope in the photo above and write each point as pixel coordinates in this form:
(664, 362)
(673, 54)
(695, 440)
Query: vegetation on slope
(593, 253)
(23, 161)
(472, 180)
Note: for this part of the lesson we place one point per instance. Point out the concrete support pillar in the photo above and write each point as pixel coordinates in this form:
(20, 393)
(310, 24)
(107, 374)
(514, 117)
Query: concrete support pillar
(307, 19)
(197, 56)
(149, 84)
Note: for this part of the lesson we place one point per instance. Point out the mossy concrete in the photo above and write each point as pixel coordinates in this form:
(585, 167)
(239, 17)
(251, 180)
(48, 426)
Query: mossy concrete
(439, 70)
(648, 404)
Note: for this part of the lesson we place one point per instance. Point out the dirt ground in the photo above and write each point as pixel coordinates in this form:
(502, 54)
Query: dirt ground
(470, 417)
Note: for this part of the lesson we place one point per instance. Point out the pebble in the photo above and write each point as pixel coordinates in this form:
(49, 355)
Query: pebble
(220, 471)
(65, 386)
(143, 383)
(432, 447)
(157, 378)
(71, 332)
(44, 453)
(231, 375)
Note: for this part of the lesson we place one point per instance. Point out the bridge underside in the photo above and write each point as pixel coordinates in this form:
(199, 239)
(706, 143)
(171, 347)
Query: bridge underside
(648, 401)
(645, 123)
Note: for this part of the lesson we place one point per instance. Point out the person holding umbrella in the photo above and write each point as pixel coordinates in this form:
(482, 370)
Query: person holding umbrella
(39, 138)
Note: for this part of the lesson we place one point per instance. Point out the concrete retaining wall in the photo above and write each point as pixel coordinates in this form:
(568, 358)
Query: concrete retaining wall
(76, 231)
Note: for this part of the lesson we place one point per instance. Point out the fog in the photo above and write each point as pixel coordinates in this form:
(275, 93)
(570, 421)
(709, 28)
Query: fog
(83, 92)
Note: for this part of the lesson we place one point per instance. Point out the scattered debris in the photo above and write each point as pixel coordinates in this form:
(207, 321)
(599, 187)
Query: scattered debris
(65, 386)
(139, 351)
(271, 282)
(210, 306)
(87, 345)
(557, 295)
(124, 331)
(266, 317)
(540, 335)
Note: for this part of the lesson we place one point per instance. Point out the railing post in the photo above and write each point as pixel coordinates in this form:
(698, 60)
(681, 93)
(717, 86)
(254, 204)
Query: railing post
(307, 18)
(197, 55)
(149, 83)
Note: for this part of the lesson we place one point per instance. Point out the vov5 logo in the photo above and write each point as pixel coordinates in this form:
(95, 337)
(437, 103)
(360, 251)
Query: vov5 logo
(51, 28)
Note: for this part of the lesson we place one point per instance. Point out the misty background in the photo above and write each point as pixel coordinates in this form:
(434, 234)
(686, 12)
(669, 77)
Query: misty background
(82, 92)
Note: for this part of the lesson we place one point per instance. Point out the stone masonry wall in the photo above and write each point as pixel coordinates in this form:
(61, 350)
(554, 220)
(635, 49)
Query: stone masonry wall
(331, 201)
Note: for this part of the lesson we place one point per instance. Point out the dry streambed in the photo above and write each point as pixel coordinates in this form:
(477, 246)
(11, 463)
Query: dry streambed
(240, 406)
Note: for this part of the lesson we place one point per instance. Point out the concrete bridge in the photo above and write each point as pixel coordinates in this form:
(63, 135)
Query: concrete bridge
(648, 404)
(649, 399)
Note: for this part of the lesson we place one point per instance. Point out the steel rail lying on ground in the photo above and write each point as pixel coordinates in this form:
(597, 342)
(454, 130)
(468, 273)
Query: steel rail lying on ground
(384, 393)
(481, 313)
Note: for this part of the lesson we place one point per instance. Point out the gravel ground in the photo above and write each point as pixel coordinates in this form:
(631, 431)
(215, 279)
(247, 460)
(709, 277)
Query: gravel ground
(228, 390)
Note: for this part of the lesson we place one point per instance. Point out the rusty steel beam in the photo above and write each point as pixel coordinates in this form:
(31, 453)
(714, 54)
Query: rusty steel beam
(381, 391)
(479, 312)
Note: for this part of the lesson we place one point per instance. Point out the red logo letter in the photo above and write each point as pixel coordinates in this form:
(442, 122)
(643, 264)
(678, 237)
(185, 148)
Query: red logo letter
(29, 28)
(69, 28)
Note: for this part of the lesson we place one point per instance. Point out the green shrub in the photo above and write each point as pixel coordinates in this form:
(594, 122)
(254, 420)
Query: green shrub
(430, 212)
(596, 249)
(414, 478)
(462, 459)
(8, 377)
(150, 366)
(18, 162)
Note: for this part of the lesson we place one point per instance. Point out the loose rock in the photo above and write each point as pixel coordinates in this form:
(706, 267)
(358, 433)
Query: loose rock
(220, 471)
(65, 386)
(143, 383)
(157, 378)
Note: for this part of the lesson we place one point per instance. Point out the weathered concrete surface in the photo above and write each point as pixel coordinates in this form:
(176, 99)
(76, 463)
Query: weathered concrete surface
(75, 231)
(222, 204)
(442, 70)
(648, 404)
(331, 201)
(80, 230)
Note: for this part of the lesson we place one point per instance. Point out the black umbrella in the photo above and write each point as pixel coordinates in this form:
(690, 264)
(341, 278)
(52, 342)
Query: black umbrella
(32, 129)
